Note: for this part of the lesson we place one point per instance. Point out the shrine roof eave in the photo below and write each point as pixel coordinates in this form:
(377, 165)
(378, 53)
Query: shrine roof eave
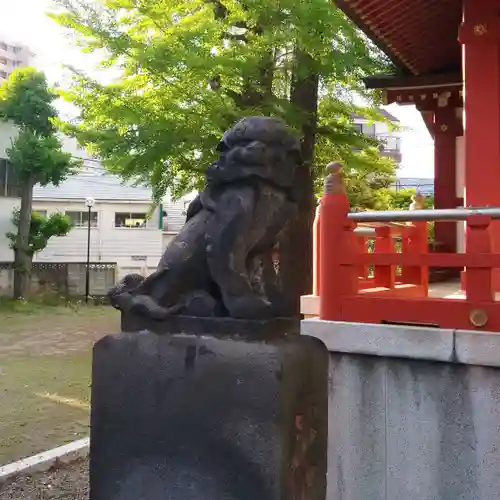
(419, 36)
(426, 92)
(352, 14)
(405, 81)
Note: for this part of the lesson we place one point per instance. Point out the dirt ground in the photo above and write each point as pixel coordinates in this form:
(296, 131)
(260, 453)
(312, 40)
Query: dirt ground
(45, 368)
(39, 331)
(65, 483)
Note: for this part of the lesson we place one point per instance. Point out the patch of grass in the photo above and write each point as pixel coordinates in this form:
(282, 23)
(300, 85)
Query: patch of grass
(9, 306)
(44, 304)
(45, 403)
(45, 369)
(30, 318)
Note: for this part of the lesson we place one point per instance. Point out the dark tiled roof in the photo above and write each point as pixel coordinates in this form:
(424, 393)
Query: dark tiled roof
(420, 36)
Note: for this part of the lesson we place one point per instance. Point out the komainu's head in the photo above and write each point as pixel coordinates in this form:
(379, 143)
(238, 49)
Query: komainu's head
(257, 146)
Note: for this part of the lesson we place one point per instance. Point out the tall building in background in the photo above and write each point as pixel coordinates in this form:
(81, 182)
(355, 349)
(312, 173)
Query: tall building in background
(12, 56)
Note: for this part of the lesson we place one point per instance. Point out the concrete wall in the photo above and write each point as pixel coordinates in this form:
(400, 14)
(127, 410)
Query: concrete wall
(7, 205)
(8, 132)
(67, 280)
(414, 413)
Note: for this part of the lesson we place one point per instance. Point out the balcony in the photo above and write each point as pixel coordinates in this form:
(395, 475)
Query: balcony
(389, 142)
(390, 145)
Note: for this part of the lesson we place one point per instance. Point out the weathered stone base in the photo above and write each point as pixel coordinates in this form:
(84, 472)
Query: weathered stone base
(182, 417)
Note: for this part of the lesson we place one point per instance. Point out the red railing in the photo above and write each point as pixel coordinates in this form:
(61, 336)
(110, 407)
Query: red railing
(389, 238)
(347, 292)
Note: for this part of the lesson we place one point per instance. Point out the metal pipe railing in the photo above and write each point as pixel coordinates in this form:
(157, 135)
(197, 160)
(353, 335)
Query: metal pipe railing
(369, 232)
(365, 231)
(440, 215)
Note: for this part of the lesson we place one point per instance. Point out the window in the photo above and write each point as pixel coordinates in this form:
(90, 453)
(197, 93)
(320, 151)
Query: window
(389, 143)
(8, 182)
(3, 46)
(358, 127)
(41, 213)
(80, 219)
(130, 219)
(3, 74)
(369, 129)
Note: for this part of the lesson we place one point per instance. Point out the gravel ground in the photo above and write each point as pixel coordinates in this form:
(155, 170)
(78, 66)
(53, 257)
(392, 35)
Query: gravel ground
(68, 482)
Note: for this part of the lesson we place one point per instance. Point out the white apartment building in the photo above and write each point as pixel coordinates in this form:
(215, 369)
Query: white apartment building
(390, 140)
(126, 229)
(12, 56)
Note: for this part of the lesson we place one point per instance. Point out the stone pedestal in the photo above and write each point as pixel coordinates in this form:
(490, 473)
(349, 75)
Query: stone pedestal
(276, 328)
(184, 417)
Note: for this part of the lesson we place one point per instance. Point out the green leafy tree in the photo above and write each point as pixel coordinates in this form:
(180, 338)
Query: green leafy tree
(36, 155)
(189, 70)
(401, 199)
(42, 228)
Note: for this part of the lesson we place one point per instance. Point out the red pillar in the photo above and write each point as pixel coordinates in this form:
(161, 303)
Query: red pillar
(480, 36)
(446, 129)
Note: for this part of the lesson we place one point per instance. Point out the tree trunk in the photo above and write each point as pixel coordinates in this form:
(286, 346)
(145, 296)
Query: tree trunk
(296, 255)
(22, 257)
(258, 91)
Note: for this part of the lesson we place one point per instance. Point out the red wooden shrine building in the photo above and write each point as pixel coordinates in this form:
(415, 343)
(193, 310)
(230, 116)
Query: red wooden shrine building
(447, 56)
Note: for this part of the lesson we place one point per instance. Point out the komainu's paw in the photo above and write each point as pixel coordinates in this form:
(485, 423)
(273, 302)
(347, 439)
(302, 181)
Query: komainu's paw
(125, 285)
(131, 281)
(200, 304)
(250, 306)
(145, 305)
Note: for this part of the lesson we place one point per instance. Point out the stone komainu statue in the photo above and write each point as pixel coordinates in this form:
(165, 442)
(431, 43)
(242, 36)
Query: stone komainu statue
(220, 263)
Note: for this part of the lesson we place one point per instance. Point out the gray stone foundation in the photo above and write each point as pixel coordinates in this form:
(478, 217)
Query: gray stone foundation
(414, 413)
